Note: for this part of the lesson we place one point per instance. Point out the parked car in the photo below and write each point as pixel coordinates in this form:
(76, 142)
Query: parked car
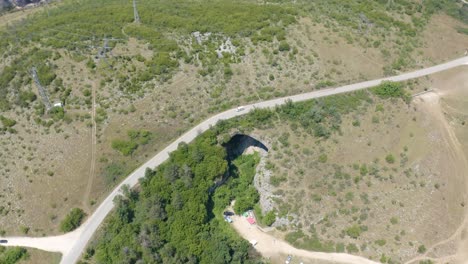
(3, 241)
(240, 108)
(288, 259)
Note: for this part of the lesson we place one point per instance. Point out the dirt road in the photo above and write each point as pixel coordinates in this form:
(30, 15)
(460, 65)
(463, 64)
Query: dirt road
(271, 247)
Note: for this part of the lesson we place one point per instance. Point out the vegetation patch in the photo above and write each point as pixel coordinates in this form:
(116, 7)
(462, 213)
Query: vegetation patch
(13, 255)
(73, 220)
(137, 138)
(174, 215)
(391, 90)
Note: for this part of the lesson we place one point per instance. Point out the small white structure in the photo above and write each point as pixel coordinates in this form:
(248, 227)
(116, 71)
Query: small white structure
(253, 242)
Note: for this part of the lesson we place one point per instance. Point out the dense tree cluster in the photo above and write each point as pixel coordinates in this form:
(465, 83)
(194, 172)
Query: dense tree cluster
(172, 218)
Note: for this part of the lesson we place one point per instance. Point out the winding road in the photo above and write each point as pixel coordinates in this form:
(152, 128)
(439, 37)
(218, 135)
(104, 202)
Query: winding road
(72, 244)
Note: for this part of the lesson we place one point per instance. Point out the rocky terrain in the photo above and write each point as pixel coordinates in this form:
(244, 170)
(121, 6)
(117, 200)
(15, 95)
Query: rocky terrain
(8, 4)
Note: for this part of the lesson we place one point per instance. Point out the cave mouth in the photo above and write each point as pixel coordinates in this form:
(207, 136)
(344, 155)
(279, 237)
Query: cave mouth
(239, 143)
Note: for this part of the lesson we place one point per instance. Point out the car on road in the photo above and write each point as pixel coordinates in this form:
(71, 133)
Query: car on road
(3, 241)
(240, 108)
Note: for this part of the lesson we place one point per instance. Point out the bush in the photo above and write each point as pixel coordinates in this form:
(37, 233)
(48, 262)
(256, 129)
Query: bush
(284, 46)
(323, 158)
(72, 220)
(354, 231)
(363, 170)
(114, 171)
(24, 229)
(13, 255)
(381, 242)
(140, 136)
(352, 248)
(269, 218)
(277, 180)
(390, 90)
(390, 159)
(125, 147)
(421, 249)
(57, 113)
(340, 247)
(6, 122)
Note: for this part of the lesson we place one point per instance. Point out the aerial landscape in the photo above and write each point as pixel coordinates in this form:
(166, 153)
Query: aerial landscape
(221, 131)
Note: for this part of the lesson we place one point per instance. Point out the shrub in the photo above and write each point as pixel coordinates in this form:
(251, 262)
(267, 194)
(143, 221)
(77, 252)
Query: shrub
(57, 113)
(277, 180)
(354, 231)
(394, 220)
(113, 171)
(72, 220)
(390, 90)
(352, 248)
(363, 170)
(24, 229)
(323, 158)
(6, 122)
(381, 242)
(125, 147)
(390, 159)
(13, 255)
(421, 249)
(269, 218)
(340, 247)
(349, 196)
(284, 46)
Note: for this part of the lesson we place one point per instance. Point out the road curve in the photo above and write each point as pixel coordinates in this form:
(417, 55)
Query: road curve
(71, 245)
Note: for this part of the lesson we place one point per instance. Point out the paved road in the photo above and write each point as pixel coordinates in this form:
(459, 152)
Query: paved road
(71, 245)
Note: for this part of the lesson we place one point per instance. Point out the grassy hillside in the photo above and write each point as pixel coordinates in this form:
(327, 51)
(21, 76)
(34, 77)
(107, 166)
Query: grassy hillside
(119, 80)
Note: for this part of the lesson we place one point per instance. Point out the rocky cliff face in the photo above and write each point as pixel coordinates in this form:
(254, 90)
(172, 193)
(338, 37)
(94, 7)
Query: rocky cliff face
(22, 3)
(6, 4)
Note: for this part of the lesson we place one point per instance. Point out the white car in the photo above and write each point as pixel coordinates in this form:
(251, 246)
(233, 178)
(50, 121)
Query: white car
(240, 108)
